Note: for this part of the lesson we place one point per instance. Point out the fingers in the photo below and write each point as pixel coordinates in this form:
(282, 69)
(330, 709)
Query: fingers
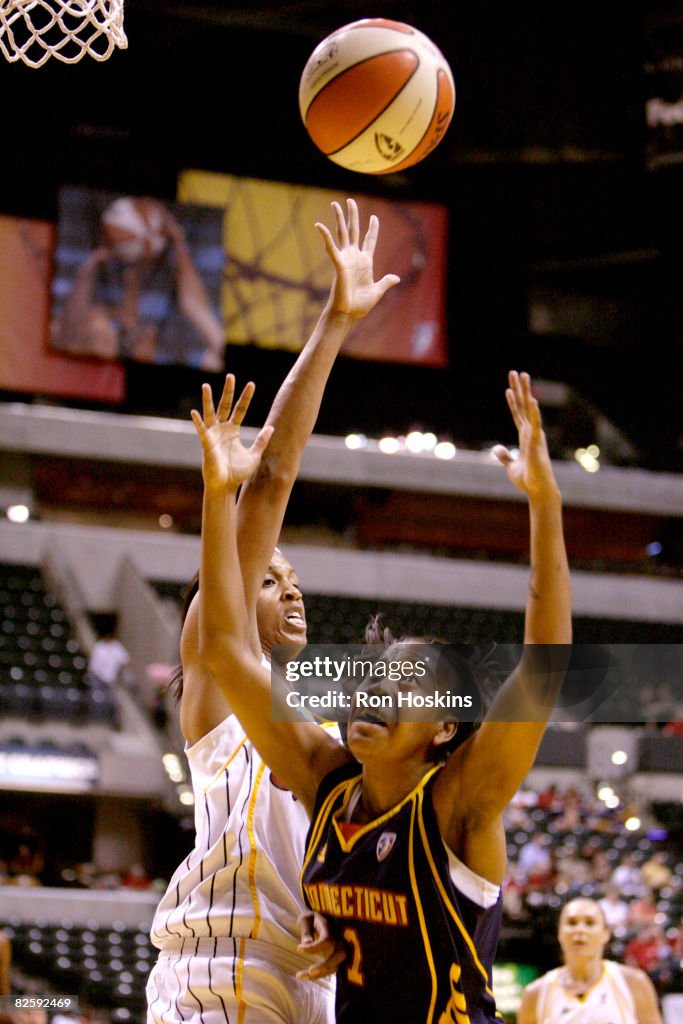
(502, 454)
(227, 396)
(330, 245)
(520, 399)
(208, 411)
(353, 225)
(243, 402)
(318, 971)
(225, 412)
(387, 282)
(199, 424)
(370, 240)
(305, 923)
(261, 442)
(342, 229)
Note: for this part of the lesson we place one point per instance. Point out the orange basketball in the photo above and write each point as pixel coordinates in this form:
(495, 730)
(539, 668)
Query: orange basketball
(376, 96)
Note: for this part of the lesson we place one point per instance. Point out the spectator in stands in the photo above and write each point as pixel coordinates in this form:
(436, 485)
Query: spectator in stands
(650, 951)
(136, 878)
(601, 869)
(642, 910)
(571, 817)
(535, 860)
(573, 872)
(588, 989)
(614, 909)
(26, 866)
(514, 889)
(655, 872)
(627, 876)
(109, 661)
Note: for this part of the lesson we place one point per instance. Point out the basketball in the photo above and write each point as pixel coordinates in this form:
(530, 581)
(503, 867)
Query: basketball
(134, 228)
(376, 96)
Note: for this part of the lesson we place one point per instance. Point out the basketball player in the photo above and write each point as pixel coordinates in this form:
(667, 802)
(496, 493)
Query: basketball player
(227, 925)
(588, 989)
(406, 851)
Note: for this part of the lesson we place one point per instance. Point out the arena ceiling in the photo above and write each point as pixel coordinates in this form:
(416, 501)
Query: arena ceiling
(565, 246)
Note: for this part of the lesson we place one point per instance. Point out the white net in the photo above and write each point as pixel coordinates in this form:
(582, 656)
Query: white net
(32, 31)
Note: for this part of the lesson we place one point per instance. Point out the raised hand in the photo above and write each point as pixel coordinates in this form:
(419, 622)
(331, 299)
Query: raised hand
(531, 471)
(355, 291)
(227, 463)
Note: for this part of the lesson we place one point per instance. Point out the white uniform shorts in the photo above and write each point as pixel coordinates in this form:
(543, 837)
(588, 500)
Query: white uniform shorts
(234, 981)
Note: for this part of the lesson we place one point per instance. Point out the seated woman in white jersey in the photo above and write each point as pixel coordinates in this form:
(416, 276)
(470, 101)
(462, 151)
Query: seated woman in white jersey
(588, 989)
(406, 851)
(227, 926)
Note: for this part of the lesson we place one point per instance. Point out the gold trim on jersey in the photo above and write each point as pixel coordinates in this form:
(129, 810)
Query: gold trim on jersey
(242, 1008)
(253, 851)
(348, 844)
(321, 822)
(584, 995)
(420, 912)
(227, 764)
(449, 906)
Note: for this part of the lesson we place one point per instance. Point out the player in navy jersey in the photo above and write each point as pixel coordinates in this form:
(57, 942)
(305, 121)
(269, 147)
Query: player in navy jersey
(226, 928)
(406, 851)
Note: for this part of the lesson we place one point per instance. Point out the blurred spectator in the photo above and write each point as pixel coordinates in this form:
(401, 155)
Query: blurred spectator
(627, 876)
(573, 873)
(26, 866)
(136, 878)
(514, 888)
(655, 872)
(601, 869)
(109, 660)
(642, 911)
(535, 860)
(650, 951)
(615, 910)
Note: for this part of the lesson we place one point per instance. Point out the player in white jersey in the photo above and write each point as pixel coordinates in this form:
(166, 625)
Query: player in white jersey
(588, 989)
(227, 926)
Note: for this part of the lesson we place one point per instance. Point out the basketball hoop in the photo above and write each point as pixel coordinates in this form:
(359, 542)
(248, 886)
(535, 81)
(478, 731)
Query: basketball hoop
(32, 31)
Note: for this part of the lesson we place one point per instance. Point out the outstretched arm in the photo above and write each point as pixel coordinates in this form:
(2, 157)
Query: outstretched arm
(483, 775)
(300, 753)
(353, 294)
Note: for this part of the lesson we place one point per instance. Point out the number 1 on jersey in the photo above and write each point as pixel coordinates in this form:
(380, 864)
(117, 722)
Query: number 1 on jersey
(354, 971)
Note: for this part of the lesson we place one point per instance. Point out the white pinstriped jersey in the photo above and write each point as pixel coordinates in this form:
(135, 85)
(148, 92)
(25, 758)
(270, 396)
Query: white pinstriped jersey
(241, 880)
(609, 1001)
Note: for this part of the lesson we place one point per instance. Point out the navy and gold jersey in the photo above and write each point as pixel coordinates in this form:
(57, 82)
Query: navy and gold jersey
(420, 950)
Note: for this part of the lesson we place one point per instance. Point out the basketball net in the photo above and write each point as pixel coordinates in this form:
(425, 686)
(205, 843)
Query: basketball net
(32, 31)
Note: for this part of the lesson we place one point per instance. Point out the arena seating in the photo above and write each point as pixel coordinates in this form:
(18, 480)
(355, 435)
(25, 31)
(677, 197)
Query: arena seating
(43, 672)
(104, 965)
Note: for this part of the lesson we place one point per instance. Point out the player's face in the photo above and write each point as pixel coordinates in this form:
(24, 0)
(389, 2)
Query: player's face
(582, 930)
(280, 610)
(381, 726)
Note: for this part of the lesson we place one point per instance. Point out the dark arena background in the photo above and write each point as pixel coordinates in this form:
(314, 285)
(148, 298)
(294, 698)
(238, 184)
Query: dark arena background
(558, 193)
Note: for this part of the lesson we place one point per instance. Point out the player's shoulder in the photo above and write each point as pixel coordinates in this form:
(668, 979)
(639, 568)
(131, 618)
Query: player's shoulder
(636, 979)
(535, 986)
(530, 1001)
